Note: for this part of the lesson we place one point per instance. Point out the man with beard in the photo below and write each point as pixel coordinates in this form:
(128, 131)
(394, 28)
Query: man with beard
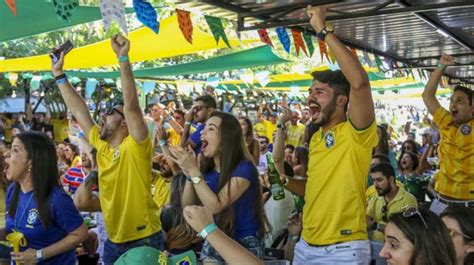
(201, 110)
(124, 152)
(334, 229)
(455, 178)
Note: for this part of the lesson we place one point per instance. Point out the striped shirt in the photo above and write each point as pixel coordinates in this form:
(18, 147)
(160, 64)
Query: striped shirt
(73, 178)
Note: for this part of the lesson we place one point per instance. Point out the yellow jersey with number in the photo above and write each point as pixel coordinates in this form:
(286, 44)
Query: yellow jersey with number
(455, 177)
(335, 205)
(125, 189)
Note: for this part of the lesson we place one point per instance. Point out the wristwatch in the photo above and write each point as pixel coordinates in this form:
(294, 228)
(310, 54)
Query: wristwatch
(39, 255)
(325, 31)
(194, 180)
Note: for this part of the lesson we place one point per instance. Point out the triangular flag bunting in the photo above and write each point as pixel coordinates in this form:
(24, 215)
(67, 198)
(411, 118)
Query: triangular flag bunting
(378, 62)
(323, 49)
(367, 60)
(113, 10)
(12, 5)
(284, 38)
(331, 55)
(146, 14)
(353, 51)
(65, 7)
(299, 42)
(217, 29)
(264, 37)
(309, 43)
(185, 24)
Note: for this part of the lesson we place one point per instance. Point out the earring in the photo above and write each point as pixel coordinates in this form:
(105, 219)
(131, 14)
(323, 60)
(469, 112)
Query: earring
(29, 168)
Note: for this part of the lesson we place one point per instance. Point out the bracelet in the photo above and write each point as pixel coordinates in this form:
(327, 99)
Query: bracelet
(441, 67)
(163, 143)
(287, 180)
(59, 77)
(293, 237)
(188, 123)
(207, 230)
(123, 58)
(61, 81)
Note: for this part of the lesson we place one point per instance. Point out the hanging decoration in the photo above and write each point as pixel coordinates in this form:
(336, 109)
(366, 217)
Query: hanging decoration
(146, 14)
(354, 52)
(264, 37)
(309, 43)
(217, 29)
(64, 8)
(113, 10)
(185, 24)
(284, 38)
(378, 62)
(12, 5)
(323, 49)
(299, 42)
(13, 78)
(365, 56)
(332, 57)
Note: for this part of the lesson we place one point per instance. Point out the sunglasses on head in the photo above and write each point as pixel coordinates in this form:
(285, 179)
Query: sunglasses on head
(412, 212)
(111, 111)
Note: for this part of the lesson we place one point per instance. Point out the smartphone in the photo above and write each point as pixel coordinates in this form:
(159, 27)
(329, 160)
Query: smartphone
(66, 47)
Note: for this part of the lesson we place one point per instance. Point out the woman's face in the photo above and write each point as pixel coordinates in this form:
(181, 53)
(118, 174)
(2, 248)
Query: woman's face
(457, 238)
(210, 137)
(68, 153)
(406, 162)
(288, 155)
(407, 147)
(243, 125)
(397, 249)
(17, 162)
(294, 159)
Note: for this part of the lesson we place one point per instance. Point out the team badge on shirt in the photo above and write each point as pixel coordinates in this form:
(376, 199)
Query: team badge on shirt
(32, 216)
(329, 139)
(116, 154)
(466, 129)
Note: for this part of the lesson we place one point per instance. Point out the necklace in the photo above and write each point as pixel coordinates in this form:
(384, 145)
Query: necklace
(16, 222)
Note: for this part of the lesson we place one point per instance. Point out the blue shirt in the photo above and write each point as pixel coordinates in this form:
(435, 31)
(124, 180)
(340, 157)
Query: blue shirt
(64, 218)
(196, 138)
(246, 221)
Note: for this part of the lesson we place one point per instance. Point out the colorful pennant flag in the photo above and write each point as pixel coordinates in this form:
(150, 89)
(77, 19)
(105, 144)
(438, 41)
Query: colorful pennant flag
(264, 37)
(378, 62)
(299, 42)
(331, 55)
(323, 49)
(217, 29)
(284, 38)
(367, 60)
(113, 10)
(185, 24)
(12, 5)
(354, 52)
(65, 7)
(309, 43)
(146, 14)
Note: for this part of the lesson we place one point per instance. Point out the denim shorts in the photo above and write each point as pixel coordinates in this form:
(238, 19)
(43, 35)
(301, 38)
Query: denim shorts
(252, 243)
(113, 251)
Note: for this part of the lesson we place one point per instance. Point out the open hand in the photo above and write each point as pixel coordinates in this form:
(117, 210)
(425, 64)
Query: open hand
(186, 160)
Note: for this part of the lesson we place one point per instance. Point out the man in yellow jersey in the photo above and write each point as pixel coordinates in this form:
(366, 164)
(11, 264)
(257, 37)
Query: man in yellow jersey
(334, 220)
(124, 153)
(455, 178)
(295, 131)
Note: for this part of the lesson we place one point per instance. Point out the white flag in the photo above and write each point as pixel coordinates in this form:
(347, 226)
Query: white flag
(113, 10)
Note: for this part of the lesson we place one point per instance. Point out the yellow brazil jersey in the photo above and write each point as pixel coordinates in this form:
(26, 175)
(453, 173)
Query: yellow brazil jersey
(259, 129)
(175, 138)
(371, 191)
(269, 129)
(339, 160)
(2, 207)
(160, 188)
(400, 202)
(125, 188)
(61, 129)
(455, 177)
(76, 162)
(294, 135)
(8, 123)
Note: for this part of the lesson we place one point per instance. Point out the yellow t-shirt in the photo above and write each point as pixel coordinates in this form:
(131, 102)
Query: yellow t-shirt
(61, 129)
(175, 138)
(125, 188)
(8, 123)
(269, 129)
(260, 129)
(160, 189)
(339, 160)
(371, 191)
(455, 177)
(401, 202)
(294, 135)
(76, 162)
(2, 207)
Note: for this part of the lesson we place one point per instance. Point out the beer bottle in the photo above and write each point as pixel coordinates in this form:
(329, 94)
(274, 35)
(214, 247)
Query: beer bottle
(276, 187)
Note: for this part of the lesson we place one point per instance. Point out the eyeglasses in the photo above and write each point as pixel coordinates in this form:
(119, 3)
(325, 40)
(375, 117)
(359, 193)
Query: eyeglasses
(452, 233)
(111, 111)
(412, 212)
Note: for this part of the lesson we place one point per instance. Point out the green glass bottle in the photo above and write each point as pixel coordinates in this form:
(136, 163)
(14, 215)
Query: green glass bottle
(276, 187)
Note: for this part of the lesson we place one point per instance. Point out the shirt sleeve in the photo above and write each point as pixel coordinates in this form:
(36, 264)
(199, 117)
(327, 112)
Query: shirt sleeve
(370, 208)
(367, 137)
(246, 170)
(65, 214)
(441, 117)
(94, 136)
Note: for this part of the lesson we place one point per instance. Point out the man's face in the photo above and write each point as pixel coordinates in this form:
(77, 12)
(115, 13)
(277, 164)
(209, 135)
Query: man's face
(306, 115)
(273, 118)
(85, 161)
(295, 117)
(460, 108)
(263, 144)
(201, 111)
(111, 121)
(179, 118)
(321, 102)
(381, 183)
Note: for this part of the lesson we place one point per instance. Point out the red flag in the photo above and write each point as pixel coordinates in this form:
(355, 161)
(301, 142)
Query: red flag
(185, 24)
(354, 51)
(299, 42)
(323, 49)
(264, 37)
(12, 5)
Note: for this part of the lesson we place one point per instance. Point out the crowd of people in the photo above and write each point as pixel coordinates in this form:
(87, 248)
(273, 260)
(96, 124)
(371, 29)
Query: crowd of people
(358, 189)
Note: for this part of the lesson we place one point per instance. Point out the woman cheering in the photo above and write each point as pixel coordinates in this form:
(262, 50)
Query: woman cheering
(37, 206)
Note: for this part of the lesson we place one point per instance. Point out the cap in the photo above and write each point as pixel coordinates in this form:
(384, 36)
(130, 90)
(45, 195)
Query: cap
(149, 255)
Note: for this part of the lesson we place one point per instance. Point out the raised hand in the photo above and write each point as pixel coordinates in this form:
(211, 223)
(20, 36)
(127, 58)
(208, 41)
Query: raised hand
(120, 45)
(286, 115)
(446, 60)
(198, 217)
(57, 68)
(317, 16)
(186, 160)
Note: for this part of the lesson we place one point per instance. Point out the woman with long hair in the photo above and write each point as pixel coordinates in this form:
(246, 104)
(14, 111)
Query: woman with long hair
(37, 206)
(300, 161)
(72, 154)
(417, 237)
(249, 137)
(460, 223)
(227, 183)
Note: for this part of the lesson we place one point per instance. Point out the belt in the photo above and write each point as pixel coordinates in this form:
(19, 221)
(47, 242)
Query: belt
(322, 246)
(469, 204)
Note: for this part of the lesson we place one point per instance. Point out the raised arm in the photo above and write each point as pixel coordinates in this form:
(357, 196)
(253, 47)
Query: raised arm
(278, 152)
(131, 108)
(74, 102)
(429, 94)
(360, 98)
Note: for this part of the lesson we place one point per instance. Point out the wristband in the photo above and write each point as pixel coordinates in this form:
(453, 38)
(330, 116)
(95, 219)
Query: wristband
(123, 58)
(39, 255)
(61, 81)
(441, 67)
(207, 230)
(163, 143)
(59, 77)
(188, 123)
(293, 237)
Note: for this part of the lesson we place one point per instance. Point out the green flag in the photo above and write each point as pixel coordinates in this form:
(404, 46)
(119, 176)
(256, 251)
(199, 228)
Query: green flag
(217, 29)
